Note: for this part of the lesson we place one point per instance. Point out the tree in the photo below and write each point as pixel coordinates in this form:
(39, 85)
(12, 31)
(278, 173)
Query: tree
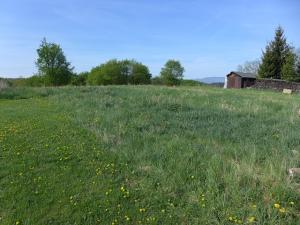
(52, 64)
(249, 67)
(120, 72)
(138, 73)
(79, 79)
(298, 63)
(107, 73)
(172, 73)
(274, 56)
(289, 72)
(298, 69)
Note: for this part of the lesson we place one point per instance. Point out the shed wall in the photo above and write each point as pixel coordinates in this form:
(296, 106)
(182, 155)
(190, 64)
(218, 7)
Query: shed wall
(234, 81)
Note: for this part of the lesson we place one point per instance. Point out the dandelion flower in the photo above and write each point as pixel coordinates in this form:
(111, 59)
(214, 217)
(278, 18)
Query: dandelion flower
(282, 210)
(277, 206)
(127, 218)
(251, 219)
(142, 210)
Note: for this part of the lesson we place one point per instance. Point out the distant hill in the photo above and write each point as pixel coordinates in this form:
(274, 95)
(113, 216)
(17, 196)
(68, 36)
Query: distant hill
(212, 80)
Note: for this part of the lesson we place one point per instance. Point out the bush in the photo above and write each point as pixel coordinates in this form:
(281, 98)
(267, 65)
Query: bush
(190, 83)
(137, 73)
(119, 72)
(156, 81)
(35, 81)
(107, 73)
(80, 79)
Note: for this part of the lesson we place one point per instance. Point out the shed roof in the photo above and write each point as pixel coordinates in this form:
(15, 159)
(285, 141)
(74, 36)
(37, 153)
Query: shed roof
(244, 75)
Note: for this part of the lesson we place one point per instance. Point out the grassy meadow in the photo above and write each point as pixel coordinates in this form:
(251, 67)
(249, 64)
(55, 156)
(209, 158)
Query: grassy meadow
(148, 155)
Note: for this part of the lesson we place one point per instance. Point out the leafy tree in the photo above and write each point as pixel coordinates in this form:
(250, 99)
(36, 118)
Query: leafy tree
(274, 57)
(138, 73)
(80, 79)
(107, 73)
(172, 72)
(119, 72)
(249, 67)
(52, 64)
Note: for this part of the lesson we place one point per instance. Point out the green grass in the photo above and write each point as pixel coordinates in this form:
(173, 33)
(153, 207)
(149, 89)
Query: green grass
(148, 155)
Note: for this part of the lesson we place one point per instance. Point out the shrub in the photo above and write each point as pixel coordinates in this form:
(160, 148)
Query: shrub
(156, 81)
(35, 81)
(119, 72)
(190, 83)
(80, 79)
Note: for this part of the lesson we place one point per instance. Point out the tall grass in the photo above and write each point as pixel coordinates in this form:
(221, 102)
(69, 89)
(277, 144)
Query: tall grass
(149, 155)
(24, 92)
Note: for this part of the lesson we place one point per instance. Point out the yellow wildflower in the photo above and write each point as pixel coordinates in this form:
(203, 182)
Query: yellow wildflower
(251, 219)
(127, 218)
(282, 210)
(142, 210)
(277, 206)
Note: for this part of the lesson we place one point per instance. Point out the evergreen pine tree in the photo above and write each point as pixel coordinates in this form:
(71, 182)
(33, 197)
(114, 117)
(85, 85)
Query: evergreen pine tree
(289, 68)
(298, 67)
(274, 56)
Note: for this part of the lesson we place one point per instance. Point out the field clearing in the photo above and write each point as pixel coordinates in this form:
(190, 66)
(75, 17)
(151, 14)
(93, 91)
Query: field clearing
(148, 155)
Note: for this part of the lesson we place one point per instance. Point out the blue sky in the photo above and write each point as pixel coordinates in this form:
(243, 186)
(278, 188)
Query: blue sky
(210, 38)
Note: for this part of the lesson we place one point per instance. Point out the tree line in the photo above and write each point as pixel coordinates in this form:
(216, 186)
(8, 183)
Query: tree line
(279, 60)
(55, 70)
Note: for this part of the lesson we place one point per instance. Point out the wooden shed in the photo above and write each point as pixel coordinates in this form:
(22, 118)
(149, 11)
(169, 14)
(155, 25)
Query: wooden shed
(240, 80)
